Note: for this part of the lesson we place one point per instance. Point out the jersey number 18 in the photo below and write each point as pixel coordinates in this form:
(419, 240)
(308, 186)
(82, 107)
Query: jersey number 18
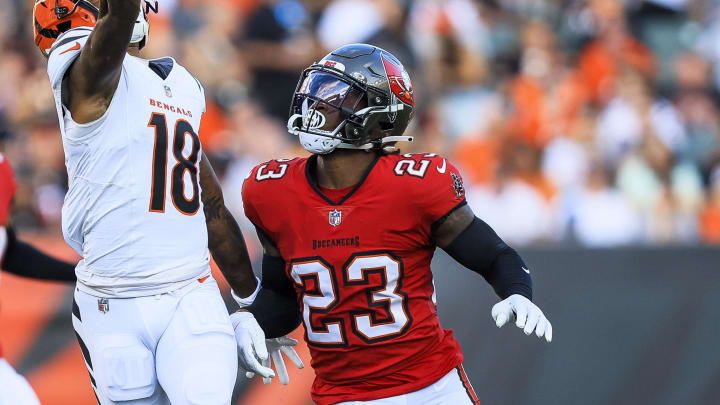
(187, 206)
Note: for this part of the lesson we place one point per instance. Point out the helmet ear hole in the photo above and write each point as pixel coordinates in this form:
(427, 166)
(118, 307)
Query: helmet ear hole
(352, 131)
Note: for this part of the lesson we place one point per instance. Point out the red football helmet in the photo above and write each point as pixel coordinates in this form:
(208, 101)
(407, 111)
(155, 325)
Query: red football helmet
(53, 17)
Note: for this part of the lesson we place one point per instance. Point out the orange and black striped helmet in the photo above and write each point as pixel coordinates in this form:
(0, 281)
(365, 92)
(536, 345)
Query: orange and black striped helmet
(53, 17)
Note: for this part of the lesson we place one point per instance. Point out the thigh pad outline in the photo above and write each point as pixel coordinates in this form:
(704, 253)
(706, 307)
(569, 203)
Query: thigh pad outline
(128, 367)
(206, 313)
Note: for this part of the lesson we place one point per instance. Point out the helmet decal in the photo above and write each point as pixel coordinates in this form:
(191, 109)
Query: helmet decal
(399, 81)
(313, 119)
(333, 64)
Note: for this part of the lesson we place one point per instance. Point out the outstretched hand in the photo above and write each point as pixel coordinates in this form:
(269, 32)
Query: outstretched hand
(527, 316)
(277, 347)
(252, 351)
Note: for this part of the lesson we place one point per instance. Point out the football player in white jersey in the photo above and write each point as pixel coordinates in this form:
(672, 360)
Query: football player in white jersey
(142, 209)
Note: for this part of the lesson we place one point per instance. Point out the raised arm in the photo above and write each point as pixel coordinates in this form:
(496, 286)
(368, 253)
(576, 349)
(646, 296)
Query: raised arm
(91, 81)
(225, 240)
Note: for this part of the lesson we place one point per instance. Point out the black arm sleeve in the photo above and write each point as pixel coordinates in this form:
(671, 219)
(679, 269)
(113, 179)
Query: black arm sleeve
(24, 260)
(481, 250)
(275, 308)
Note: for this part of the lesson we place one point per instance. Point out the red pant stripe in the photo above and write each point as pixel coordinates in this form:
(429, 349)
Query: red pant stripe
(467, 385)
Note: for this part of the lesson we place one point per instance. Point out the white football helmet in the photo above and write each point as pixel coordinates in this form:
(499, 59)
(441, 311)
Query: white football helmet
(142, 26)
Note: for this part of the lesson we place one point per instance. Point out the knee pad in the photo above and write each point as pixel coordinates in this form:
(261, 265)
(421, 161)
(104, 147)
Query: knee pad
(127, 369)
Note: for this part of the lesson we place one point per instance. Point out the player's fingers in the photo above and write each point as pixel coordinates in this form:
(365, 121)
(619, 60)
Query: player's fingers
(521, 315)
(541, 327)
(249, 374)
(548, 332)
(279, 362)
(498, 308)
(293, 356)
(261, 369)
(501, 319)
(286, 341)
(500, 313)
(258, 342)
(266, 365)
(532, 321)
(246, 352)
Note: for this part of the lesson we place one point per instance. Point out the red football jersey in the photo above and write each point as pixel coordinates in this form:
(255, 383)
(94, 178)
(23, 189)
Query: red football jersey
(7, 189)
(360, 263)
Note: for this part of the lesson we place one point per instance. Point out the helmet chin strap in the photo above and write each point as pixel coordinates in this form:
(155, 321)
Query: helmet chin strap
(371, 145)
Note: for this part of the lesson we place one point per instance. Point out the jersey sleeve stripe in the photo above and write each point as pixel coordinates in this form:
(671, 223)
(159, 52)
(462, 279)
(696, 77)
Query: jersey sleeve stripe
(65, 41)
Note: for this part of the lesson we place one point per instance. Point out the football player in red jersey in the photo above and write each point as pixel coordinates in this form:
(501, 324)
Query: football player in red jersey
(21, 259)
(349, 233)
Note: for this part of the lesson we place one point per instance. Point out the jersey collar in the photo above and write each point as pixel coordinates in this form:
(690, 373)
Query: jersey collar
(312, 163)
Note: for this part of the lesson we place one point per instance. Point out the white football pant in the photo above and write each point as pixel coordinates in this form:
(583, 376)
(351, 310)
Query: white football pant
(14, 388)
(178, 347)
(453, 389)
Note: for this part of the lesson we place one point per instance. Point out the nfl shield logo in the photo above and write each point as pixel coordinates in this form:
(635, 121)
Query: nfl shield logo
(103, 305)
(335, 217)
(168, 92)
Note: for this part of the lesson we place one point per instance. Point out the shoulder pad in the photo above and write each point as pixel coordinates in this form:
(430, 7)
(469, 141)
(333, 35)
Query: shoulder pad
(64, 52)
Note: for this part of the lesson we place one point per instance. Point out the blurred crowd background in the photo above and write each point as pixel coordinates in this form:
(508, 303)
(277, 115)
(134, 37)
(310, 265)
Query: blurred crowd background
(575, 122)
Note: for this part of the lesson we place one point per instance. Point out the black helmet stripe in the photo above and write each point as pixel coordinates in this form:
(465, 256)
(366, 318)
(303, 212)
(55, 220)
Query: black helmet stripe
(46, 32)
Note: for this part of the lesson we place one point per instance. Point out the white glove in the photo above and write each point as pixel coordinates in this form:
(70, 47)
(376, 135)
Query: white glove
(277, 347)
(527, 315)
(251, 344)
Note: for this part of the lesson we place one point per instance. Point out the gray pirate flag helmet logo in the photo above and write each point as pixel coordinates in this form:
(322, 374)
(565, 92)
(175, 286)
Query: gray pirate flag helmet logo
(357, 97)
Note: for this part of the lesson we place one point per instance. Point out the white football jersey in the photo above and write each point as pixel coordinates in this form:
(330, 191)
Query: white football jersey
(133, 209)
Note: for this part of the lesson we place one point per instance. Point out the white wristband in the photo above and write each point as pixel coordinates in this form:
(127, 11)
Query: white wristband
(247, 301)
